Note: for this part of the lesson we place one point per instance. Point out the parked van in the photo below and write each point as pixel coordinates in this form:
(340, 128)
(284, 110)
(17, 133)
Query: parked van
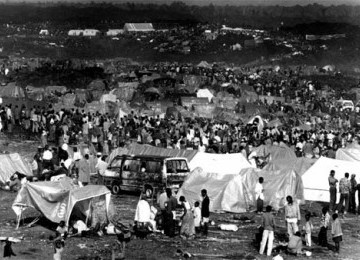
(145, 173)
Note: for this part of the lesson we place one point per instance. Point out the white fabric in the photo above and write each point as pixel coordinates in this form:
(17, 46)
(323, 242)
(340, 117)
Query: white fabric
(47, 155)
(204, 93)
(77, 156)
(80, 226)
(267, 237)
(143, 212)
(259, 191)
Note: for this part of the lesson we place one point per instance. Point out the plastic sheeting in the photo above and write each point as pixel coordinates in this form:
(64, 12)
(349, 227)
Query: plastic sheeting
(299, 165)
(220, 163)
(138, 149)
(236, 192)
(205, 93)
(276, 152)
(315, 179)
(350, 153)
(56, 200)
(11, 163)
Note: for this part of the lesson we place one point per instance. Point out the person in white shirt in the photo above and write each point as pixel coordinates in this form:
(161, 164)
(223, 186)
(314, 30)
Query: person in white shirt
(197, 216)
(143, 211)
(259, 195)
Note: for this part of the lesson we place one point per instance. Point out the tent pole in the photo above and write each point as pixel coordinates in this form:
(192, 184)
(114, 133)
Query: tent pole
(87, 215)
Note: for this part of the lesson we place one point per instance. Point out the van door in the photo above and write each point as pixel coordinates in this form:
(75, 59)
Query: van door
(130, 173)
(176, 172)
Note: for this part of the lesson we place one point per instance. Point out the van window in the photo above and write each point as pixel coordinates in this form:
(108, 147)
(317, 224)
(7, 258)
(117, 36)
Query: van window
(116, 163)
(176, 166)
(154, 167)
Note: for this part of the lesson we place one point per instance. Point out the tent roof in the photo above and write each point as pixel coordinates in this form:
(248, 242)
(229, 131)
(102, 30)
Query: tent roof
(11, 163)
(12, 90)
(139, 27)
(315, 179)
(276, 152)
(55, 200)
(350, 153)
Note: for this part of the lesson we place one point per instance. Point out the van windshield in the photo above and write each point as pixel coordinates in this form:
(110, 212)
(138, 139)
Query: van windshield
(176, 166)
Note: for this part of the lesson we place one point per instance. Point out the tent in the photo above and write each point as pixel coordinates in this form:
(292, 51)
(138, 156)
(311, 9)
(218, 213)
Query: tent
(138, 27)
(138, 149)
(12, 90)
(220, 163)
(350, 153)
(57, 200)
(205, 93)
(275, 152)
(236, 192)
(299, 165)
(11, 163)
(108, 97)
(315, 179)
(204, 64)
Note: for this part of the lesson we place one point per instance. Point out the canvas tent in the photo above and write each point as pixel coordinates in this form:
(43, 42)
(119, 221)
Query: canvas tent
(12, 90)
(58, 200)
(236, 192)
(315, 179)
(11, 163)
(350, 153)
(220, 163)
(275, 152)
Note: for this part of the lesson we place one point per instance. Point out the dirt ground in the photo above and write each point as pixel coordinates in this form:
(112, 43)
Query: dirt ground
(218, 245)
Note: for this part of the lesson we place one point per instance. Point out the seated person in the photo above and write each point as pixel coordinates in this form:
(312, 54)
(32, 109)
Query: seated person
(295, 244)
(144, 215)
(62, 230)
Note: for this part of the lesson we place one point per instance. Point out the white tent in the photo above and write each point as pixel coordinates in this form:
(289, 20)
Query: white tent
(350, 153)
(315, 179)
(205, 93)
(236, 192)
(220, 163)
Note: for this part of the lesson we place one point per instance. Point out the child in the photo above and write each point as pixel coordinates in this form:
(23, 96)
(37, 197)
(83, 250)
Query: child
(8, 252)
(325, 220)
(308, 229)
(197, 216)
(58, 249)
(336, 232)
(62, 230)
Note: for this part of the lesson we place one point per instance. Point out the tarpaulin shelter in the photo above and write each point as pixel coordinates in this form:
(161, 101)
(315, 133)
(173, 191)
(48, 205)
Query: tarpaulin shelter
(349, 153)
(315, 179)
(236, 192)
(51, 90)
(220, 163)
(57, 200)
(138, 149)
(275, 152)
(204, 64)
(299, 164)
(11, 163)
(12, 90)
(205, 93)
(205, 111)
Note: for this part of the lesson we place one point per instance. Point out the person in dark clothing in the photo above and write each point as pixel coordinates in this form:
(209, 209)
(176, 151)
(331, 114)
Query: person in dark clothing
(205, 211)
(170, 207)
(8, 252)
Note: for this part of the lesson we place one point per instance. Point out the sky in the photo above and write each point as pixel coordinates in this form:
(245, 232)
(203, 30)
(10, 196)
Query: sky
(206, 2)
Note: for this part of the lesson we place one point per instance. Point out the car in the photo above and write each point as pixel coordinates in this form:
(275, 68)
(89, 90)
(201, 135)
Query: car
(144, 173)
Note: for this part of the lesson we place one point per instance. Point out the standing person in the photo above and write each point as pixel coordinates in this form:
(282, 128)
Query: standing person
(332, 189)
(197, 216)
(353, 188)
(308, 229)
(336, 232)
(268, 223)
(84, 170)
(325, 221)
(292, 216)
(187, 225)
(170, 207)
(205, 211)
(259, 193)
(344, 189)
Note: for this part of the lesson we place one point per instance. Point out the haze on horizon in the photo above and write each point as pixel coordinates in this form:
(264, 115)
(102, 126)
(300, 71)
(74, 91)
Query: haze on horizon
(202, 2)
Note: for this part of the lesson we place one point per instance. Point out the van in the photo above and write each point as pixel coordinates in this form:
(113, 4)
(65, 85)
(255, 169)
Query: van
(144, 173)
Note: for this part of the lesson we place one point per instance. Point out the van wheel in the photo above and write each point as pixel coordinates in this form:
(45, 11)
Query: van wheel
(115, 188)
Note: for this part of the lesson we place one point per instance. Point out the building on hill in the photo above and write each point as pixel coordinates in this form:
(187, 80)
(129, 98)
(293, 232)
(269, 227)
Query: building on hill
(91, 32)
(138, 27)
(114, 32)
(75, 32)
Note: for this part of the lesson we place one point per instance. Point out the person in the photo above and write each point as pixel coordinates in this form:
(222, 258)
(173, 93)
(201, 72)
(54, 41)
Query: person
(143, 213)
(336, 232)
(8, 251)
(259, 195)
(205, 211)
(295, 244)
(84, 170)
(353, 188)
(344, 189)
(58, 249)
(325, 221)
(332, 190)
(268, 223)
(197, 216)
(308, 227)
(187, 225)
(61, 230)
(170, 208)
(292, 216)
